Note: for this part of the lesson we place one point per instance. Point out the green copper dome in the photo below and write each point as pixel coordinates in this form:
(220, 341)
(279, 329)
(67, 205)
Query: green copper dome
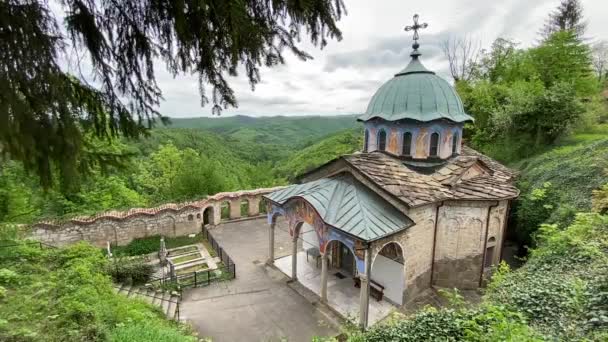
(418, 94)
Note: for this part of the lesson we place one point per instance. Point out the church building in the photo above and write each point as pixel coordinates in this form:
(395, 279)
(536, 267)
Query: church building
(414, 209)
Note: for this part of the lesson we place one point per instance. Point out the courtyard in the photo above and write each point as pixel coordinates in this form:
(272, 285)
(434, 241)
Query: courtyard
(258, 305)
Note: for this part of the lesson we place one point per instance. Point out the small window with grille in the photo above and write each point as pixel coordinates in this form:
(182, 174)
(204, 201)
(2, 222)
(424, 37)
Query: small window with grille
(434, 147)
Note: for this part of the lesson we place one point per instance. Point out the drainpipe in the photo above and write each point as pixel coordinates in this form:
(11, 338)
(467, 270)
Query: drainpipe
(485, 241)
(435, 241)
(504, 230)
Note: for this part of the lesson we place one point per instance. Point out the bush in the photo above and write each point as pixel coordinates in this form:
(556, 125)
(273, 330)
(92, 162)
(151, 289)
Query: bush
(151, 244)
(148, 332)
(8, 277)
(561, 289)
(486, 323)
(65, 295)
(134, 272)
(531, 210)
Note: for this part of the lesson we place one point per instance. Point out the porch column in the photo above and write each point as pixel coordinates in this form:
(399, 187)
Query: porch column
(271, 243)
(294, 258)
(324, 260)
(364, 293)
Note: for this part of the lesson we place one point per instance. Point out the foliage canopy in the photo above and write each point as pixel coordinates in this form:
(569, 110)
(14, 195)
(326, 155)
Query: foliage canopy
(46, 108)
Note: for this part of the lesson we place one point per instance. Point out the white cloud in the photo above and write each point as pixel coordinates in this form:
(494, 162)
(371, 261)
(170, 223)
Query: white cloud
(344, 76)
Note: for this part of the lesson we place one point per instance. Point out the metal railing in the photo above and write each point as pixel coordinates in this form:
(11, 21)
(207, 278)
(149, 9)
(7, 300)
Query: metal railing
(226, 271)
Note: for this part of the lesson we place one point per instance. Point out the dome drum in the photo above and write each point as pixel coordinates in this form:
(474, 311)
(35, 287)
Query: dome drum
(413, 139)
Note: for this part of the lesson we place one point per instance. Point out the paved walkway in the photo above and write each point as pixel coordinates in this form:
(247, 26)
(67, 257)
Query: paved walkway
(257, 305)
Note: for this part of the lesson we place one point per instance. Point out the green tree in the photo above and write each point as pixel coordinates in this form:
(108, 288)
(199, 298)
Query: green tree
(197, 177)
(46, 109)
(568, 16)
(526, 99)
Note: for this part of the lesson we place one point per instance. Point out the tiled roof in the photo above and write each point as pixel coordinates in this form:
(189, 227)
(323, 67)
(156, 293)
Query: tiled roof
(344, 203)
(416, 185)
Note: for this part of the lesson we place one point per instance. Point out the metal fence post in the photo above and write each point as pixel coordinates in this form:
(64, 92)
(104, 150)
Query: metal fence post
(195, 283)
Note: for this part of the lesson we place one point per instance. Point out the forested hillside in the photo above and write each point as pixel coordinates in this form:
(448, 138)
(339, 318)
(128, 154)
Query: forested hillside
(177, 164)
(269, 138)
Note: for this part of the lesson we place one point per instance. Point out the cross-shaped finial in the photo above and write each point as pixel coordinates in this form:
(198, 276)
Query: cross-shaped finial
(415, 28)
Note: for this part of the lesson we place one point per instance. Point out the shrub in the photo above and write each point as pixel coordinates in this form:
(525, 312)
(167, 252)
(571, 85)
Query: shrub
(8, 277)
(130, 271)
(147, 332)
(151, 244)
(533, 209)
(65, 295)
(486, 323)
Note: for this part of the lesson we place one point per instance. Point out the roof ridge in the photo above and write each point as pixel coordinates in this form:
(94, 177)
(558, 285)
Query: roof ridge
(364, 214)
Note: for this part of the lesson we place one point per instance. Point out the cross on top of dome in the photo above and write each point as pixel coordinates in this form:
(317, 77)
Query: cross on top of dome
(415, 28)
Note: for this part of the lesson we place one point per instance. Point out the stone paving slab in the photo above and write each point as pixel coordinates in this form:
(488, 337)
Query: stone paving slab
(258, 305)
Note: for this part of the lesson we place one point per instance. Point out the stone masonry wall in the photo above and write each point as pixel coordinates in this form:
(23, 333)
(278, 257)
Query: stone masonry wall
(459, 245)
(461, 239)
(417, 245)
(121, 227)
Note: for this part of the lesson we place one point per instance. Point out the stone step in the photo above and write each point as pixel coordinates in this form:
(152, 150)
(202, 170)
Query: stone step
(148, 297)
(132, 291)
(165, 300)
(172, 311)
(164, 305)
(156, 300)
(125, 289)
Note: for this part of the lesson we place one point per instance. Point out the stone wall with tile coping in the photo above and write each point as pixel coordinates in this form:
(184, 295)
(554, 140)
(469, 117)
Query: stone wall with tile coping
(121, 227)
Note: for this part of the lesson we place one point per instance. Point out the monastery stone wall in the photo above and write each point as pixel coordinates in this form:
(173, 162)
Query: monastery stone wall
(121, 227)
(461, 239)
(459, 245)
(417, 245)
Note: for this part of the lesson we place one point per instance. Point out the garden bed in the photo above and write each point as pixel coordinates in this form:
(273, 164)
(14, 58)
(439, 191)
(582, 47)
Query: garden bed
(183, 258)
(193, 268)
(181, 251)
(151, 244)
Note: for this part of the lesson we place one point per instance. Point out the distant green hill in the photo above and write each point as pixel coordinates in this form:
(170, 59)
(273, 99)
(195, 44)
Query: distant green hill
(343, 142)
(269, 138)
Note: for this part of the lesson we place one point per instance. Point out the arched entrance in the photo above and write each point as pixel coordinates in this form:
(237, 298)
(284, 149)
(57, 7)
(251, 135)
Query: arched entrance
(225, 210)
(341, 259)
(244, 207)
(388, 270)
(208, 216)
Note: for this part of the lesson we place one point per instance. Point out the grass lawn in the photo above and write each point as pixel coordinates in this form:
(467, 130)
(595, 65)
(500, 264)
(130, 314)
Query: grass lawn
(185, 258)
(193, 268)
(182, 251)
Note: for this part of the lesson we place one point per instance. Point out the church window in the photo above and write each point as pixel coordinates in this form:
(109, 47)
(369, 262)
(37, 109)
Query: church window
(490, 247)
(382, 140)
(434, 150)
(455, 143)
(489, 257)
(366, 142)
(407, 144)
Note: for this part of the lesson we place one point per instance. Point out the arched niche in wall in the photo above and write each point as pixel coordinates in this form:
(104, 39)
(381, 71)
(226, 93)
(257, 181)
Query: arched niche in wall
(244, 207)
(167, 225)
(388, 270)
(138, 228)
(110, 234)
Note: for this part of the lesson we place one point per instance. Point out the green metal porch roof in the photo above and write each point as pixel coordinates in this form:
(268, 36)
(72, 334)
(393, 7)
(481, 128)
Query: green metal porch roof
(346, 204)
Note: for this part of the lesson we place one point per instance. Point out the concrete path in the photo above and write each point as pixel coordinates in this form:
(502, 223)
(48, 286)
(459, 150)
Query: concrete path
(257, 305)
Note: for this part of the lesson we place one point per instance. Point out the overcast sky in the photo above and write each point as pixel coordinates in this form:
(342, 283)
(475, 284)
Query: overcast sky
(343, 76)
